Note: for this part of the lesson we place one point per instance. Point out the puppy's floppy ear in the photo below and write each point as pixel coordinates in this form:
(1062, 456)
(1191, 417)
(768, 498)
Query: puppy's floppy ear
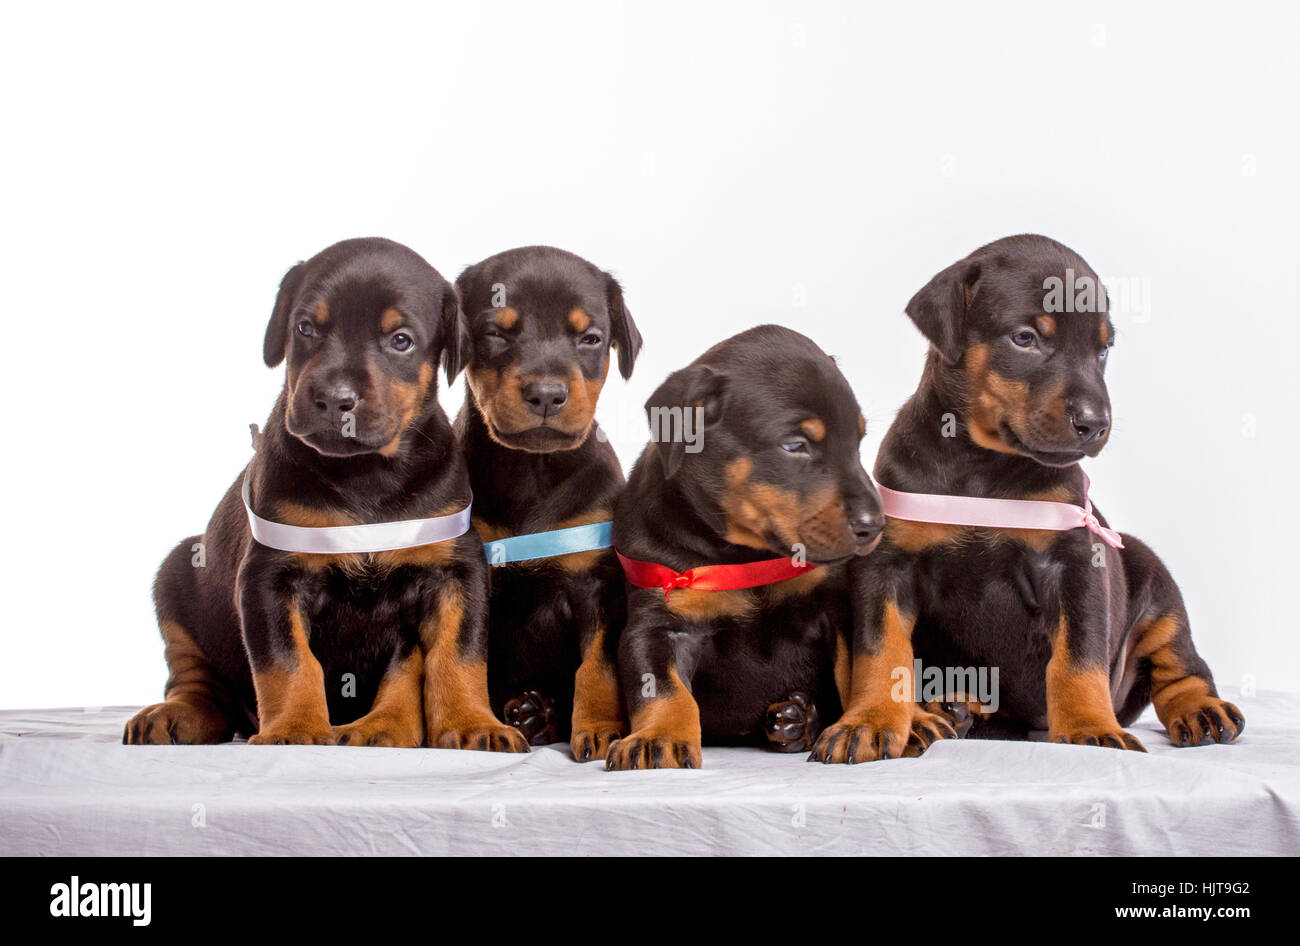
(625, 338)
(457, 343)
(689, 402)
(939, 309)
(277, 330)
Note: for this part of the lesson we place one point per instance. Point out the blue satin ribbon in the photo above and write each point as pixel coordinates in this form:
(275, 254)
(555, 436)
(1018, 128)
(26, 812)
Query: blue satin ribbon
(521, 548)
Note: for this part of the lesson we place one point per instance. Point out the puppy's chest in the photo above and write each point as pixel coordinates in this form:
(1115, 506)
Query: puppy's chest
(364, 591)
(809, 607)
(527, 588)
(992, 578)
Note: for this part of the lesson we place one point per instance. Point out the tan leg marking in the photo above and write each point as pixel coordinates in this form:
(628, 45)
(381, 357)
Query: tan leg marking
(665, 733)
(396, 718)
(597, 707)
(291, 706)
(196, 707)
(1079, 708)
(875, 725)
(457, 714)
(1186, 704)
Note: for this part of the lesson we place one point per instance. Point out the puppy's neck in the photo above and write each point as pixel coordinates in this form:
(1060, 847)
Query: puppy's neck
(929, 448)
(520, 488)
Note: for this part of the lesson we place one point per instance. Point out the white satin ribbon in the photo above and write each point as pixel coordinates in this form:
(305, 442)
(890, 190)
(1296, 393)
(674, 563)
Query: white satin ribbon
(358, 539)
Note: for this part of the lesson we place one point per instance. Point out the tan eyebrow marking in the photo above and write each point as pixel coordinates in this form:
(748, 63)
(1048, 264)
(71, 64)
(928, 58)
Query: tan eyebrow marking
(580, 320)
(1105, 332)
(321, 312)
(814, 429)
(1046, 326)
(862, 425)
(507, 317)
(391, 320)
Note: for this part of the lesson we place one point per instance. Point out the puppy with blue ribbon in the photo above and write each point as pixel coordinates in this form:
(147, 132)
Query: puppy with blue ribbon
(539, 329)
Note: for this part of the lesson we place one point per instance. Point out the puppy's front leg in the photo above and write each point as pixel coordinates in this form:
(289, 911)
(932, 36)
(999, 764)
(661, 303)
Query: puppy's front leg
(396, 718)
(875, 724)
(287, 677)
(1079, 706)
(878, 722)
(597, 707)
(665, 717)
(457, 712)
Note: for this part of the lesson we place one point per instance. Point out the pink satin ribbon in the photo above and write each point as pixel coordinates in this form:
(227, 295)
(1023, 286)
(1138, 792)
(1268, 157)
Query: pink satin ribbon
(997, 513)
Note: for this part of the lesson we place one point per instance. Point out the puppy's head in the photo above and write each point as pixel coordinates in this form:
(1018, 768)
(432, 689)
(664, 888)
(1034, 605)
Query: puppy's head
(362, 326)
(762, 434)
(537, 331)
(1020, 331)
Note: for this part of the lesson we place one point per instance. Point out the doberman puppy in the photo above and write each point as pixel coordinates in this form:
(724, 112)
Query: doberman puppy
(349, 649)
(1012, 397)
(539, 325)
(772, 469)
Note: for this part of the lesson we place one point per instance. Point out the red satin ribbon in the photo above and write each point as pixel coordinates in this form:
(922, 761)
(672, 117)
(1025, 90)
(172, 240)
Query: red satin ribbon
(711, 577)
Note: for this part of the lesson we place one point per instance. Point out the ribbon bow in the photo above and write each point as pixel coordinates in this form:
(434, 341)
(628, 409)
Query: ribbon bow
(1093, 524)
(711, 577)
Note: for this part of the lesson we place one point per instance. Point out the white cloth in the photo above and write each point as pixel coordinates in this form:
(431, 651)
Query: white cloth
(67, 786)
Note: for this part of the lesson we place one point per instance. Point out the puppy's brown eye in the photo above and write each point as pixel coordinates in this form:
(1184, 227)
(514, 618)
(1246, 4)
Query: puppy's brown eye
(1024, 338)
(590, 340)
(1101, 355)
(795, 446)
(401, 341)
(307, 328)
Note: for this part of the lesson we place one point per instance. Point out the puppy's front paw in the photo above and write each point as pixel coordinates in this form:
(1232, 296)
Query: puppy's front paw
(1096, 733)
(534, 716)
(293, 732)
(792, 725)
(488, 737)
(1204, 720)
(957, 712)
(928, 728)
(866, 739)
(653, 749)
(591, 742)
(379, 730)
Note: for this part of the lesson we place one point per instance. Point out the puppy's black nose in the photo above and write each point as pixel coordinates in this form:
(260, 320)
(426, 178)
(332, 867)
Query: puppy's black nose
(866, 528)
(1090, 421)
(546, 397)
(336, 400)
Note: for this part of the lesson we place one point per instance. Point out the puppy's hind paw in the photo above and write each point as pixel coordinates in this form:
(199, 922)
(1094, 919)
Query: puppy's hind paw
(792, 725)
(1204, 722)
(534, 716)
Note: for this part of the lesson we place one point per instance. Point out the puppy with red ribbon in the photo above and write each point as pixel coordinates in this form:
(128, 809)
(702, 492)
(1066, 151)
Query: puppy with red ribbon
(993, 555)
(737, 532)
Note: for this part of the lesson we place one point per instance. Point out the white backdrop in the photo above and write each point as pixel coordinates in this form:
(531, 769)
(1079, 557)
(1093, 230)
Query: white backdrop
(731, 163)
